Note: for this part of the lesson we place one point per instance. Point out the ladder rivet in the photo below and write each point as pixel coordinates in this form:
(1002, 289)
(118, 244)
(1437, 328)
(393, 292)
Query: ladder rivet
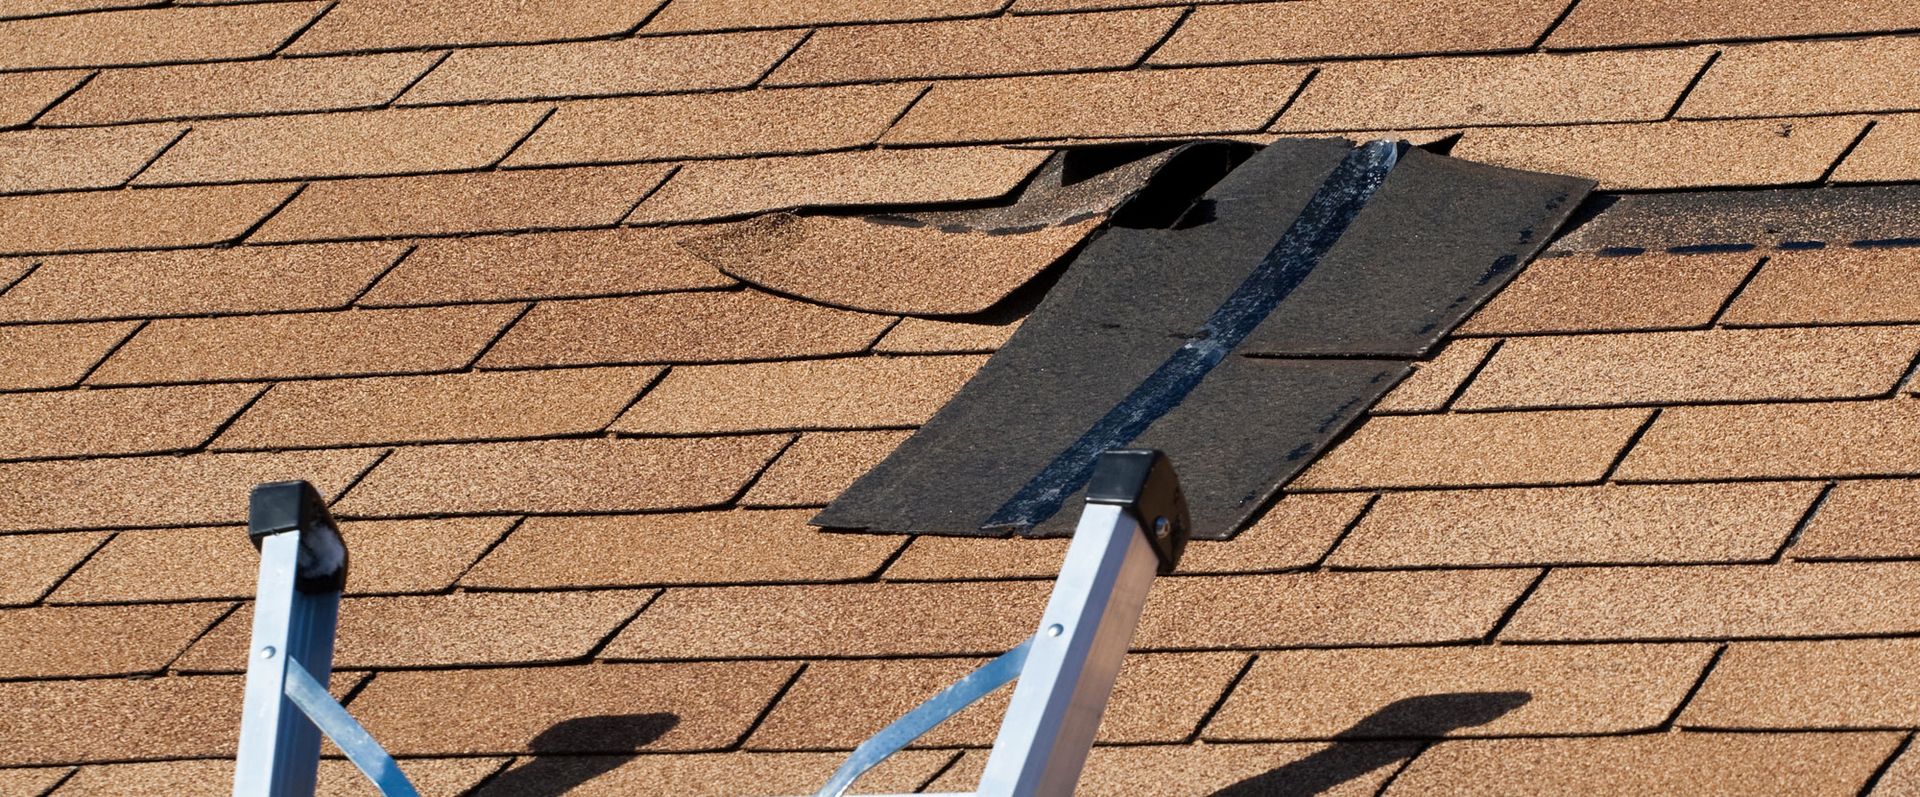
(1056, 629)
(267, 652)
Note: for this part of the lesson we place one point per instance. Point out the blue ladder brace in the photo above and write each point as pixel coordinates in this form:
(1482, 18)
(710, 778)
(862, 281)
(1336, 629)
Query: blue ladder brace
(303, 567)
(1135, 525)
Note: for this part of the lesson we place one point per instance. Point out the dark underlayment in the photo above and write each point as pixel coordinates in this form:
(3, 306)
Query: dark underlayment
(1241, 338)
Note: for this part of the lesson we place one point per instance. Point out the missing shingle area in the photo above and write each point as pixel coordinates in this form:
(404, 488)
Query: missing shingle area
(1432, 243)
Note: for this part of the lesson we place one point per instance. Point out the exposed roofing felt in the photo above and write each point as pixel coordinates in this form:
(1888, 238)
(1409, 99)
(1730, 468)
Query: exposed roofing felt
(1643, 524)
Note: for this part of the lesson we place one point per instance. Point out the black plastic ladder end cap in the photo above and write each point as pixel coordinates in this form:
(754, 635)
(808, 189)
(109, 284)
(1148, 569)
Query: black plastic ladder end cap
(280, 507)
(1143, 481)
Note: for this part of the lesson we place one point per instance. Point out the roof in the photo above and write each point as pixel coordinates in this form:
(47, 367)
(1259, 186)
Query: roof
(1641, 526)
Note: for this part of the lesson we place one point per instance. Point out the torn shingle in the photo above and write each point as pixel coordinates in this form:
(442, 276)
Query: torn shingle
(906, 263)
(1293, 276)
(718, 189)
(1704, 221)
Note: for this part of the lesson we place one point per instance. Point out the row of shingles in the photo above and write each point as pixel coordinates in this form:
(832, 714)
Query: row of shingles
(521, 621)
(1658, 523)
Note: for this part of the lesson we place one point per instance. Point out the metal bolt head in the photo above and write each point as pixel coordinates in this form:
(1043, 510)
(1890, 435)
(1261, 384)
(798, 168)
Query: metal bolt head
(268, 652)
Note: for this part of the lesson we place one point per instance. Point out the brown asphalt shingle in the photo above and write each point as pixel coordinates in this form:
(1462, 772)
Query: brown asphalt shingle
(1583, 293)
(562, 476)
(377, 24)
(146, 420)
(1788, 78)
(1730, 153)
(662, 65)
(30, 564)
(1832, 286)
(196, 282)
(592, 708)
(726, 14)
(406, 340)
(976, 48)
(709, 774)
(1858, 683)
(1529, 89)
(55, 355)
(461, 203)
(59, 160)
(46, 642)
(1885, 155)
(240, 87)
(1730, 601)
(1686, 367)
(470, 406)
(389, 557)
(464, 628)
(1527, 690)
(1244, 32)
(542, 265)
(847, 393)
(1868, 519)
(940, 336)
(1841, 438)
(1327, 609)
(682, 327)
(1239, 99)
(23, 95)
(158, 491)
(162, 218)
(1600, 23)
(814, 470)
(1569, 446)
(1712, 765)
(1346, 769)
(1434, 382)
(362, 143)
(161, 35)
(680, 548)
(768, 122)
(143, 717)
(1647, 524)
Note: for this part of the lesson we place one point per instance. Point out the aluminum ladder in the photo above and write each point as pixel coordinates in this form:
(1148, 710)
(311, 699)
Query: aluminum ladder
(1134, 525)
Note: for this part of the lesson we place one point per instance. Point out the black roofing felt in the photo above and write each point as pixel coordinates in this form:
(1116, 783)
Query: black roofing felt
(1190, 339)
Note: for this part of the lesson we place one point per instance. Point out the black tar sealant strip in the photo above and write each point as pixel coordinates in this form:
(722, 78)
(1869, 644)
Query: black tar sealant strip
(1325, 218)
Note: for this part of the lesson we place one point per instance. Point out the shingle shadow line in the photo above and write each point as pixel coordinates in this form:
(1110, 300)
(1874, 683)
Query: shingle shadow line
(215, 623)
(1687, 90)
(1578, 407)
(34, 120)
(54, 586)
(1772, 477)
(1700, 682)
(1540, 563)
(1653, 639)
(1415, 488)
(1880, 772)
(1847, 151)
(1688, 43)
(1806, 520)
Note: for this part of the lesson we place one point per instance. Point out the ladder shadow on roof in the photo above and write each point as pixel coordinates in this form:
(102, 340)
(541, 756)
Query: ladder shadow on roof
(557, 765)
(1365, 747)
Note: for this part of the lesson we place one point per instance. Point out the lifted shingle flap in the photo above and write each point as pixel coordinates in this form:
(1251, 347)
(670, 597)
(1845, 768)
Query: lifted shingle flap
(958, 261)
(1242, 340)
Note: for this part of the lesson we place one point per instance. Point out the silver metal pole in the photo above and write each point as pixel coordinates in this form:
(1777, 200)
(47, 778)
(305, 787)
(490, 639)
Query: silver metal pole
(302, 569)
